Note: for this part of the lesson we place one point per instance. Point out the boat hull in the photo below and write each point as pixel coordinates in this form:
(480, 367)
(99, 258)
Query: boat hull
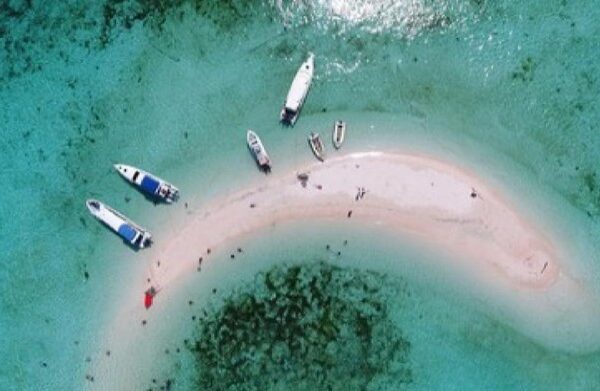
(339, 133)
(148, 183)
(297, 93)
(258, 151)
(317, 146)
(129, 231)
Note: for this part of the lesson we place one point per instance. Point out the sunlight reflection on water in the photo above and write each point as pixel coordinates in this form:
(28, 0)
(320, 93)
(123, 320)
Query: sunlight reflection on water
(406, 18)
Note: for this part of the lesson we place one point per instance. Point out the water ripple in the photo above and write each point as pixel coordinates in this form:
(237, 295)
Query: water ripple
(405, 18)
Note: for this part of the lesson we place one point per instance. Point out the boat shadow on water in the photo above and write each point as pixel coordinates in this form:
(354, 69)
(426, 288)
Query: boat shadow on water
(264, 169)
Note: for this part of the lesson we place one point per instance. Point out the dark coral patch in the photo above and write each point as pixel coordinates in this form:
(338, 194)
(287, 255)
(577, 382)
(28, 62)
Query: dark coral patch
(525, 70)
(314, 326)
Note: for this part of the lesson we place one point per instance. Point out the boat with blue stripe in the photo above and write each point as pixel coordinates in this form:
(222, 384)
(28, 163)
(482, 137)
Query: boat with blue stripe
(131, 233)
(149, 184)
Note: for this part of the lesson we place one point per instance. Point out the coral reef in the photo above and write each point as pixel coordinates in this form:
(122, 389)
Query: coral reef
(310, 326)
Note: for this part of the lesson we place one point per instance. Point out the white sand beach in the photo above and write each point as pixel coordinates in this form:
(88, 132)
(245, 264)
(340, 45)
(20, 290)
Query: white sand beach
(415, 197)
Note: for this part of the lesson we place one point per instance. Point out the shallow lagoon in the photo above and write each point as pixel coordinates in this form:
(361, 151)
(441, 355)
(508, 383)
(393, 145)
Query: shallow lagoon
(509, 87)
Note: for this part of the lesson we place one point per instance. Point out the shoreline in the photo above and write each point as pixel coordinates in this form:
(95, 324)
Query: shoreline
(516, 268)
(413, 195)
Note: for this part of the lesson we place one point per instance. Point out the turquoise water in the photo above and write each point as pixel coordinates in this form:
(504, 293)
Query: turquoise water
(508, 88)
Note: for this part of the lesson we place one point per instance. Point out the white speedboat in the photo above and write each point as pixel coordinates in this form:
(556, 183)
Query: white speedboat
(130, 232)
(298, 91)
(148, 183)
(339, 131)
(317, 146)
(258, 150)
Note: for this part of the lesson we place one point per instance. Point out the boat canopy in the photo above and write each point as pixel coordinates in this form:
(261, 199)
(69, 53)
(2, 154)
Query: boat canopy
(149, 184)
(127, 232)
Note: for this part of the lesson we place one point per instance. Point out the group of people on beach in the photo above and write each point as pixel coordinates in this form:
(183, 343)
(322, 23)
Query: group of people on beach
(360, 194)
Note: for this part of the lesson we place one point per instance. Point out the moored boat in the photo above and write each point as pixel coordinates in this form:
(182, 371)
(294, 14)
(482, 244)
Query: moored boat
(298, 92)
(258, 150)
(339, 132)
(148, 183)
(317, 146)
(128, 230)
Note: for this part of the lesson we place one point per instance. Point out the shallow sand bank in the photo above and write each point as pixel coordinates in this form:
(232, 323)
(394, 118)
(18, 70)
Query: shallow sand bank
(522, 274)
(413, 195)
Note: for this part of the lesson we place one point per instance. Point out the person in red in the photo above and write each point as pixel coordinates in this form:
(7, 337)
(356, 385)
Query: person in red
(149, 297)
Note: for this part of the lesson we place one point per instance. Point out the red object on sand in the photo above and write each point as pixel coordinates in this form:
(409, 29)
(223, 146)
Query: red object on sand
(148, 299)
